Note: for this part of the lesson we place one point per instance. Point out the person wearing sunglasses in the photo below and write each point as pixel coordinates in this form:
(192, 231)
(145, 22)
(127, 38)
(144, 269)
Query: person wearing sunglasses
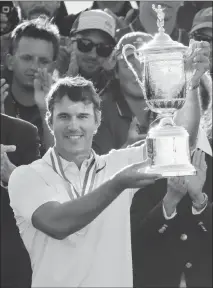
(202, 29)
(93, 40)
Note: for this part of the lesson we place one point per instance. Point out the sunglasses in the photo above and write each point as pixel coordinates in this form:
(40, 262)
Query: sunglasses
(201, 37)
(86, 45)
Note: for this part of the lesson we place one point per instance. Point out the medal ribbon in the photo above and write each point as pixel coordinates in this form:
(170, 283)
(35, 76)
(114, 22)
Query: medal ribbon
(73, 193)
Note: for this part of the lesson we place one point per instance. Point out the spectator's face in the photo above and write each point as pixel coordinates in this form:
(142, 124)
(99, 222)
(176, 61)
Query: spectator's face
(171, 8)
(30, 55)
(74, 125)
(114, 6)
(125, 76)
(90, 62)
(204, 34)
(32, 9)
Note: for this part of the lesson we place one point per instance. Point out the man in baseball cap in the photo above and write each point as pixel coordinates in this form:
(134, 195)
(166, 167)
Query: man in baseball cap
(93, 35)
(202, 28)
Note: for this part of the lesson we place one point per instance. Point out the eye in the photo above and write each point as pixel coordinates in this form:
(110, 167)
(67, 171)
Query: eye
(63, 116)
(82, 116)
(26, 57)
(44, 61)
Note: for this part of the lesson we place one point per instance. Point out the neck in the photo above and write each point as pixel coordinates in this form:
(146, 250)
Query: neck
(22, 95)
(78, 159)
(93, 77)
(149, 23)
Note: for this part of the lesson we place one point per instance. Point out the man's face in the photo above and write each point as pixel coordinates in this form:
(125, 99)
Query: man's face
(30, 55)
(126, 78)
(205, 34)
(171, 8)
(74, 125)
(90, 63)
(32, 9)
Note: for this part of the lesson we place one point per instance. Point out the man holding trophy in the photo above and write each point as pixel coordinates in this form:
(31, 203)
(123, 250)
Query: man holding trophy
(78, 232)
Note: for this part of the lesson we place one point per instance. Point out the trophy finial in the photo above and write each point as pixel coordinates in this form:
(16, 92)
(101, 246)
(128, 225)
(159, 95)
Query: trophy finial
(160, 16)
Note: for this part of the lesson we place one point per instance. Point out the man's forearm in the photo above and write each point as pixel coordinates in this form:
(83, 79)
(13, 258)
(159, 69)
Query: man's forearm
(70, 217)
(189, 115)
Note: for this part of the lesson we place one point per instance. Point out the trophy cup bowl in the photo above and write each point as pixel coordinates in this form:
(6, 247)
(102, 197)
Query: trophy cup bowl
(164, 79)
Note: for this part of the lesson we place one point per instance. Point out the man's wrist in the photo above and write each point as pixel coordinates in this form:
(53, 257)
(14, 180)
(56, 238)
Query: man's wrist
(170, 204)
(198, 198)
(202, 202)
(115, 184)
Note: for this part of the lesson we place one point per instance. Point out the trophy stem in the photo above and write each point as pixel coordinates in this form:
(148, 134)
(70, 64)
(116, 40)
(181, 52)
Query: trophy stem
(167, 120)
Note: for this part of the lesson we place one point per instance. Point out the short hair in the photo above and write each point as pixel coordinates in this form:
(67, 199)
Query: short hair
(78, 89)
(39, 28)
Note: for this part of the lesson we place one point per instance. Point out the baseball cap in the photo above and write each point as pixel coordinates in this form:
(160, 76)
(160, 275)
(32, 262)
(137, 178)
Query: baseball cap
(203, 19)
(95, 19)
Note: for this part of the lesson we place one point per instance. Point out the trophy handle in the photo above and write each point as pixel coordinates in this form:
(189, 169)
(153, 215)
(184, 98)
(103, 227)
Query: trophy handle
(129, 46)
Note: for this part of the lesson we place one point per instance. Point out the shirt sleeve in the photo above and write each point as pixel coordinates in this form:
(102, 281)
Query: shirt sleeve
(202, 142)
(171, 216)
(196, 212)
(28, 191)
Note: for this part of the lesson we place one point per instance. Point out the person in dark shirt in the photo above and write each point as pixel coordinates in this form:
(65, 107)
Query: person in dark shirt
(34, 49)
(19, 146)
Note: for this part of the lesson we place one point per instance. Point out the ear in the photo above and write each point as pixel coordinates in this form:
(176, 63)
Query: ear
(98, 121)
(10, 62)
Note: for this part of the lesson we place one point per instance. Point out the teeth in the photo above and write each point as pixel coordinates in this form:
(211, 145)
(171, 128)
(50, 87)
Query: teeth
(73, 137)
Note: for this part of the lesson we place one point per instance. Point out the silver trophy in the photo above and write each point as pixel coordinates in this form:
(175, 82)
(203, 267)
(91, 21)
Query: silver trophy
(164, 78)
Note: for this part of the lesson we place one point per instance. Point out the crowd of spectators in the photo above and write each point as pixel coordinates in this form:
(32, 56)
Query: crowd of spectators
(51, 61)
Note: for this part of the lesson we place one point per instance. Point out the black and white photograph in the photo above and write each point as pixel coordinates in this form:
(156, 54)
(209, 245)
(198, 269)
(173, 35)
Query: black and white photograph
(106, 144)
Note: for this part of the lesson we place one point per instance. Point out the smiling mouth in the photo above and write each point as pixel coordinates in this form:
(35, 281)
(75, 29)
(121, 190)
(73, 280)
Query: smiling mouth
(74, 137)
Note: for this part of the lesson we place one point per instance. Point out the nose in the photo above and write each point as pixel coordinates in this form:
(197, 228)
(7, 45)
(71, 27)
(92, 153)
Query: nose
(73, 125)
(35, 64)
(93, 53)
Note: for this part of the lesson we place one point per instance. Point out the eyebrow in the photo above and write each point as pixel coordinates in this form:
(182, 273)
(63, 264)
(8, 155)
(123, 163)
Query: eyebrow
(84, 114)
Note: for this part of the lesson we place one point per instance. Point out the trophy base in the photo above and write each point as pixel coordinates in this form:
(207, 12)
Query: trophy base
(172, 170)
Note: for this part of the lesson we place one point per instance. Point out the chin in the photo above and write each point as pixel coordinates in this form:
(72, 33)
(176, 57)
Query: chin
(29, 86)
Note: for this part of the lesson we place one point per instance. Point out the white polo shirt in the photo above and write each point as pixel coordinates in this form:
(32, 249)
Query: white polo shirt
(100, 254)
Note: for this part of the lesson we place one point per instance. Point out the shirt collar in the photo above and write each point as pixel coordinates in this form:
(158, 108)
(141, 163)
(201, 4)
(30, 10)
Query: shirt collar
(99, 161)
(203, 142)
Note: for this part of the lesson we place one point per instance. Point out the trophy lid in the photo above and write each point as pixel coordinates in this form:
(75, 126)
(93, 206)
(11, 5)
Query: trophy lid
(161, 40)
